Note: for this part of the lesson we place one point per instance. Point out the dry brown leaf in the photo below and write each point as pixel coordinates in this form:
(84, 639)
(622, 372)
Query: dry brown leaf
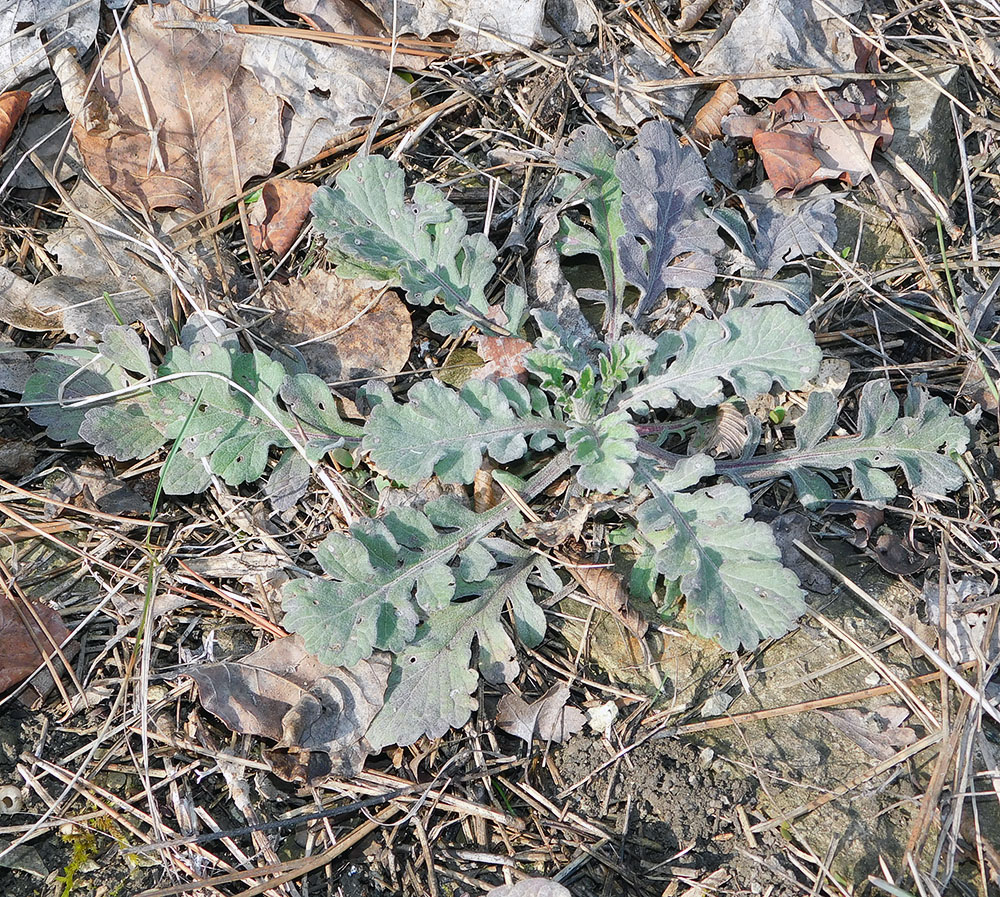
(180, 98)
(355, 331)
(879, 732)
(19, 643)
(276, 219)
(12, 106)
(74, 300)
(566, 527)
(803, 140)
(548, 718)
(317, 713)
(894, 556)
(691, 13)
(708, 119)
(792, 527)
(606, 587)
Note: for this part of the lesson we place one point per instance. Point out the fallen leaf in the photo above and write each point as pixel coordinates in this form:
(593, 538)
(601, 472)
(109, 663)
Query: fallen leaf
(16, 456)
(691, 13)
(708, 119)
(567, 526)
(91, 487)
(16, 365)
(352, 331)
(329, 89)
(74, 300)
(277, 218)
(170, 154)
(503, 355)
(623, 100)
(793, 526)
(879, 732)
(531, 887)
(12, 106)
(775, 35)
(66, 23)
(548, 718)
(606, 587)
(894, 556)
(968, 608)
(317, 714)
(20, 640)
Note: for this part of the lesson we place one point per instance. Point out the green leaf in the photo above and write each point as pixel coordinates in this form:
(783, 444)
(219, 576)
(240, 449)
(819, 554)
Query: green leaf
(311, 401)
(590, 154)
(431, 684)
(729, 568)
(920, 442)
(384, 575)
(422, 244)
(605, 451)
(749, 347)
(446, 432)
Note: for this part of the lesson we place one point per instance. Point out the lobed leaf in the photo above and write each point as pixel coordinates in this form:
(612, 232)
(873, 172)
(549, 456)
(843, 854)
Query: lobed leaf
(431, 683)
(661, 184)
(919, 442)
(384, 576)
(422, 244)
(446, 432)
(750, 348)
(729, 568)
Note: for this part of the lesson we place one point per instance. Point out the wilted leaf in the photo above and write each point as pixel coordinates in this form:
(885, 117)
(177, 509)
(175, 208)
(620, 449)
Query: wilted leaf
(22, 641)
(343, 329)
(895, 557)
(329, 89)
(879, 732)
(669, 242)
(773, 35)
(548, 718)
(968, 611)
(170, 154)
(66, 23)
(606, 587)
(277, 218)
(708, 119)
(284, 693)
(531, 887)
(12, 106)
(89, 294)
(792, 527)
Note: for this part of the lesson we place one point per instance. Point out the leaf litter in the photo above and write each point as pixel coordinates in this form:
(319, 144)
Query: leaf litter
(656, 385)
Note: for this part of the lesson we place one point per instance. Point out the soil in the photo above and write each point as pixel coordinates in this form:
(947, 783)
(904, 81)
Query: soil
(677, 807)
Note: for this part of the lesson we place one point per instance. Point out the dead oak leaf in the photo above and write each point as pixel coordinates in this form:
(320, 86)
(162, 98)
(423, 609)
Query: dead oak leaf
(181, 99)
(343, 330)
(12, 106)
(282, 692)
(547, 718)
(278, 216)
(21, 637)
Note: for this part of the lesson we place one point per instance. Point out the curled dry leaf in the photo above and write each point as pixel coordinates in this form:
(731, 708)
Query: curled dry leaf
(317, 713)
(276, 219)
(22, 640)
(968, 609)
(802, 140)
(792, 527)
(894, 556)
(343, 329)
(708, 119)
(12, 106)
(691, 13)
(548, 718)
(181, 100)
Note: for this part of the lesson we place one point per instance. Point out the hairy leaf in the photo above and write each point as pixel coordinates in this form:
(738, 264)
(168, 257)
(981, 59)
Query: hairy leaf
(919, 442)
(605, 451)
(590, 154)
(729, 568)
(446, 432)
(749, 347)
(384, 576)
(661, 182)
(431, 683)
(422, 244)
